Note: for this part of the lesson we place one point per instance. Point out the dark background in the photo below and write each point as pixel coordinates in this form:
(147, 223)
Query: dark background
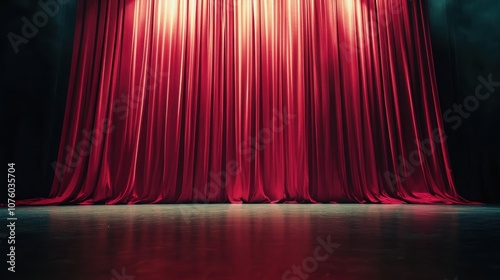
(466, 43)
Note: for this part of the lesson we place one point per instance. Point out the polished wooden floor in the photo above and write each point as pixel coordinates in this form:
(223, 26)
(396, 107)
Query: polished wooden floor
(256, 241)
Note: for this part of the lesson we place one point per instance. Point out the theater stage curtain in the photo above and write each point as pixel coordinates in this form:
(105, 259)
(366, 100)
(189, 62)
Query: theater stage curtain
(178, 101)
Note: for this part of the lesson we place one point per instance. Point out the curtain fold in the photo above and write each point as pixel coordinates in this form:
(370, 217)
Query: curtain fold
(177, 101)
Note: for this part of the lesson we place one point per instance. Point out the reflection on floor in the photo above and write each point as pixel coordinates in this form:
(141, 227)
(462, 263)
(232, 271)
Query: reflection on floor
(257, 241)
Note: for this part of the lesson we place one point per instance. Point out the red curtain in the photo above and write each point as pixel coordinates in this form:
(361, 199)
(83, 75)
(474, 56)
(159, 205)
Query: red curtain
(174, 101)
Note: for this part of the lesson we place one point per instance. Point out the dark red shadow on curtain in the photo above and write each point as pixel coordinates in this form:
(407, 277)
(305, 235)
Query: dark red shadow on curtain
(252, 101)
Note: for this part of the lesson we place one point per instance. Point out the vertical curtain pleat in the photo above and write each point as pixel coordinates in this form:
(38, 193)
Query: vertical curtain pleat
(174, 101)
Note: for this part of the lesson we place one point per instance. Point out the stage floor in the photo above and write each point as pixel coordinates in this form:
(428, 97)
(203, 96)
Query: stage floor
(256, 241)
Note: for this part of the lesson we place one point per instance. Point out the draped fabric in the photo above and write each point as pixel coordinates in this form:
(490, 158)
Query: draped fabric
(179, 101)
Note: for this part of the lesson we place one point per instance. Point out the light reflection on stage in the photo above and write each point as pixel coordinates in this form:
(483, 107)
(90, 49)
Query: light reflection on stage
(258, 241)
